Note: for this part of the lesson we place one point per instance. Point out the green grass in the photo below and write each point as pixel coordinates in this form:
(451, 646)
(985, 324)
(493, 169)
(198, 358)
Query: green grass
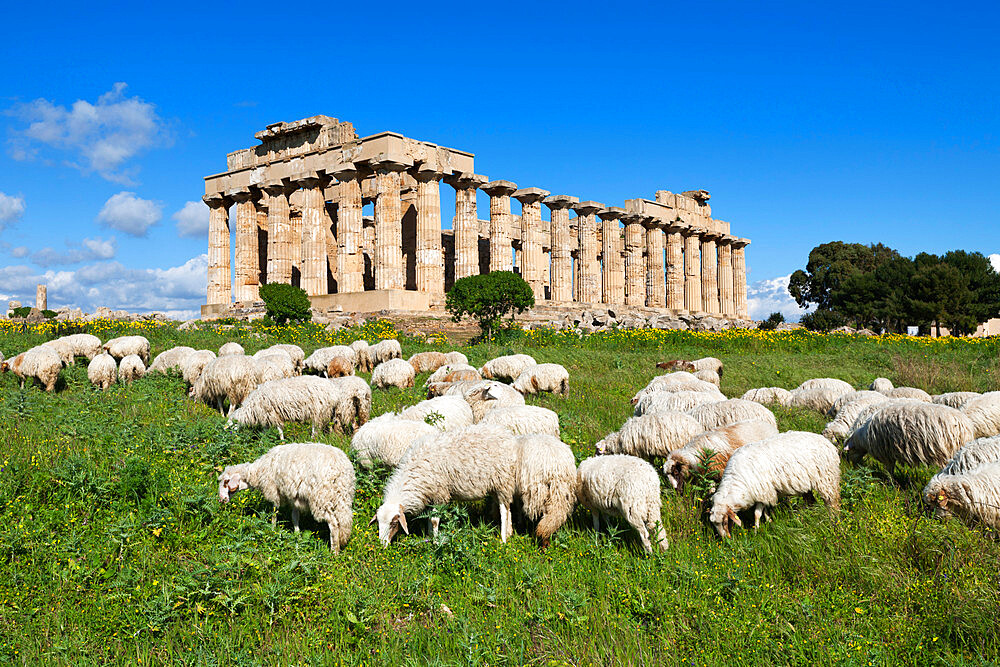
(114, 548)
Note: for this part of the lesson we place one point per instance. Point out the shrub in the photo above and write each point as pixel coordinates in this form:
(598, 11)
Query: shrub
(286, 303)
(772, 322)
(21, 312)
(487, 298)
(49, 314)
(823, 320)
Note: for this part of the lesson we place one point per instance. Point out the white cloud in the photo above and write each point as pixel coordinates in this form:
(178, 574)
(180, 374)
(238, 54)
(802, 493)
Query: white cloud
(192, 220)
(101, 136)
(87, 250)
(995, 261)
(20, 251)
(769, 296)
(11, 209)
(130, 214)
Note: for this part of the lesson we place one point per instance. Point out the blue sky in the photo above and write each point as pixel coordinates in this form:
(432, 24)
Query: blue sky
(808, 122)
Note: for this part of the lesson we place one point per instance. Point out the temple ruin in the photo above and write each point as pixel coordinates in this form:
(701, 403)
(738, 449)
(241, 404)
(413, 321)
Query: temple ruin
(298, 200)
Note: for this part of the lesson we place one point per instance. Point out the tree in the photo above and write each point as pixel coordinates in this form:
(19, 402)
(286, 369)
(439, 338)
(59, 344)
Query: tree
(822, 320)
(488, 298)
(982, 300)
(938, 292)
(286, 303)
(772, 322)
(829, 265)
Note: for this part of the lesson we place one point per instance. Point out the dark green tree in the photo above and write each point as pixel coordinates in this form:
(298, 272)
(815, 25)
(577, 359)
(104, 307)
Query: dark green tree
(983, 284)
(488, 298)
(772, 322)
(938, 292)
(822, 320)
(286, 303)
(829, 265)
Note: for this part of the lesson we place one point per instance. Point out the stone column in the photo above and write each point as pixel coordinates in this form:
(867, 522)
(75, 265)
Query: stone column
(218, 249)
(466, 223)
(430, 254)
(314, 220)
(709, 274)
(612, 266)
(41, 297)
(531, 246)
(692, 271)
(675, 267)
(501, 254)
(561, 246)
(740, 278)
(261, 204)
(295, 233)
(726, 295)
(635, 270)
(389, 271)
(350, 256)
(246, 257)
(588, 281)
(279, 252)
(656, 296)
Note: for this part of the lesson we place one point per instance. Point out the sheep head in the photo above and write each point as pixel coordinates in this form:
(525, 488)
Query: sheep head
(604, 446)
(231, 480)
(4, 366)
(390, 519)
(723, 517)
(938, 498)
(676, 470)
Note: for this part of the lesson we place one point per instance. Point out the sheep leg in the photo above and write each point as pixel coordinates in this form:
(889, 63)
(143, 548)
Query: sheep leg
(644, 537)
(295, 518)
(274, 517)
(597, 521)
(505, 520)
(435, 522)
(281, 433)
(758, 510)
(334, 543)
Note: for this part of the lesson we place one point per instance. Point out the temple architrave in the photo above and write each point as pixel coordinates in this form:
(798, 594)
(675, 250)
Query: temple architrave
(297, 202)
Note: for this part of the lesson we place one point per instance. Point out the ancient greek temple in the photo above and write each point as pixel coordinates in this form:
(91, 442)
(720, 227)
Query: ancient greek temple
(299, 198)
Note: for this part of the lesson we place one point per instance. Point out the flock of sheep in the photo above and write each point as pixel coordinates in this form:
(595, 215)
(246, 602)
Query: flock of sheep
(475, 437)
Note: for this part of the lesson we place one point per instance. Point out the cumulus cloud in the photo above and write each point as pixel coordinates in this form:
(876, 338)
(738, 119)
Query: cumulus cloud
(771, 295)
(99, 137)
(11, 209)
(130, 214)
(192, 220)
(995, 261)
(85, 251)
(20, 251)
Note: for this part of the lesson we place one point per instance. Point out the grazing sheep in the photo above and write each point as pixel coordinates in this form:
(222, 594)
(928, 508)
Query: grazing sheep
(881, 385)
(723, 413)
(171, 360)
(912, 433)
(102, 371)
(273, 365)
(448, 388)
(974, 454)
(427, 362)
(121, 347)
(309, 476)
(627, 487)
(840, 427)
(679, 381)
(768, 395)
(393, 373)
(543, 377)
(195, 363)
(293, 351)
(339, 367)
(470, 463)
(909, 392)
(64, 352)
(850, 397)
(651, 435)
(319, 361)
(507, 367)
(41, 363)
(230, 348)
(820, 399)
(546, 482)
(794, 463)
(443, 371)
(487, 395)
(384, 350)
(973, 495)
(839, 386)
(703, 364)
(955, 399)
(450, 412)
(364, 357)
(721, 443)
(386, 438)
(463, 375)
(303, 398)
(709, 376)
(984, 411)
(131, 368)
(454, 357)
(674, 401)
(75, 345)
(226, 378)
(524, 419)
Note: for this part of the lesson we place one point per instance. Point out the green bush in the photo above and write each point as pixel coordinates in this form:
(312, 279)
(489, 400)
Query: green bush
(488, 298)
(21, 312)
(772, 322)
(286, 303)
(823, 320)
(49, 314)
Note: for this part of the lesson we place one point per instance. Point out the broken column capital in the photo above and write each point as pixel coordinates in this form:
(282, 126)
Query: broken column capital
(559, 202)
(348, 171)
(214, 199)
(275, 188)
(238, 195)
(700, 196)
(530, 195)
(385, 163)
(740, 243)
(499, 188)
(612, 213)
(587, 207)
(425, 172)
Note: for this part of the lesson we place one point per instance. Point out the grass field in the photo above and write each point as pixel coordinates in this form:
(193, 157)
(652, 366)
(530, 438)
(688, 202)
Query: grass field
(114, 548)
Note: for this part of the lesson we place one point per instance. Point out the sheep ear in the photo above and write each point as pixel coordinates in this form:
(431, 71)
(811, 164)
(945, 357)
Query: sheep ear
(402, 521)
(735, 518)
(942, 500)
(374, 519)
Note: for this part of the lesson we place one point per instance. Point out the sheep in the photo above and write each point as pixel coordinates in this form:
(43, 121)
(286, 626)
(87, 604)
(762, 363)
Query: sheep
(984, 411)
(627, 487)
(820, 399)
(171, 359)
(723, 413)
(546, 482)
(303, 398)
(974, 454)
(319, 361)
(910, 433)
(195, 363)
(293, 351)
(231, 377)
(450, 412)
(955, 399)
(688, 460)
(708, 376)
(487, 395)
(393, 373)
(386, 438)
(543, 377)
(909, 392)
(273, 366)
(427, 362)
(463, 375)
(455, 357)
(41, 363)
(230, 348)
(703, 364)
(384, 350)
(102, 371)
(840, 427)
(768, 395)
(75, 345)
(973, 495)
(674, 401)
(881, 385)
(651, 435)
(65, 352)
(839, 386)
(507, 367)
(339, 367)
(444, 370)
(309, 476)
(470, 463)
(364, 358)
(524, 419)
(794, 463)
(679, 381)
(123, 346)
(354, 401)
(850, 397)
(131, 368)
(448, 388)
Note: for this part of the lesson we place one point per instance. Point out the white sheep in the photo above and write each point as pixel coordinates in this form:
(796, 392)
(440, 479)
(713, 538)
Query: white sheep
(354, 401)
(909, 392)
(820, 399)
(984, 411)
(543, 377)
(319, 361)
(386, 438)
(768, 395)
(955, 399)
(303, 398)
(273, 366)
(470, 463)
(973, 495)
(546, 482)
(393, 373)
(230, 348)
(674, 401)
(794, 463)
(722, 413)
(294, 351)
(715, 447)
(651, 435)
(507, 367)
(64, 351)
(487, 395)
(427, 362)
(226, 378)
(839, 386)
(75, 345)
(679, 381)
(195, 363)
(171, 359)
(881, 385)
(974, 454)
(102, 371)
(443, 371)
(704, 364)
(841, 426)
(850, 397)
(41, 363)
(627, 487)
(455, 357)
(384, 350)
(911, 433)
(123, 346)
(709, 376)
(449, 388)
(446, 412)
(524, 419)
(131, 368)
(364, 358)
(309, 476)
(339, 367)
